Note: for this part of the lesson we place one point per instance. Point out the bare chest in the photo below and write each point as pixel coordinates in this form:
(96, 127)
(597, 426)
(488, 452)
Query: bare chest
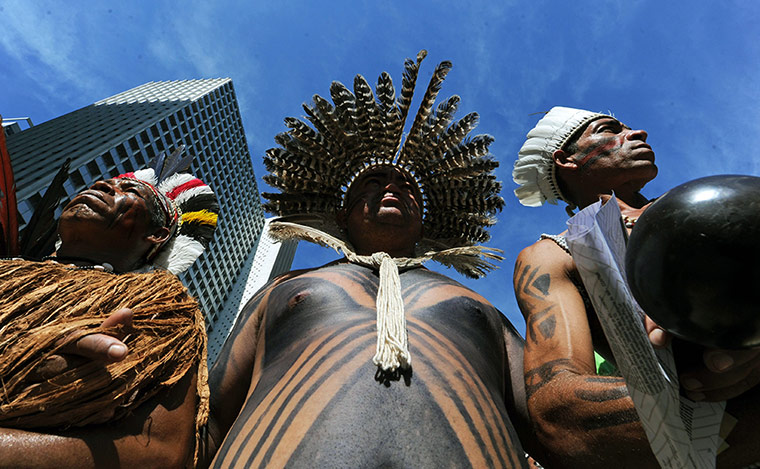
(320, 401)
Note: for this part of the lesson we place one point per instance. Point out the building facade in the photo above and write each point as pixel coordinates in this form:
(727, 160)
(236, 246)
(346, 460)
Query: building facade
(123, 133)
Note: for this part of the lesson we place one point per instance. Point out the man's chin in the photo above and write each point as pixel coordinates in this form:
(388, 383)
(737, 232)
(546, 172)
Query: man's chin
(81, 214)
(391, 216)
(78, 210)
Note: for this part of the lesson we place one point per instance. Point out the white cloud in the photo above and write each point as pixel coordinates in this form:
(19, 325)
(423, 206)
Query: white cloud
(43, 40)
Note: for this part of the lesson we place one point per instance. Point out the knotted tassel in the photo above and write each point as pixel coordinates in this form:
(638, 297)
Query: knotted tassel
(392, 351)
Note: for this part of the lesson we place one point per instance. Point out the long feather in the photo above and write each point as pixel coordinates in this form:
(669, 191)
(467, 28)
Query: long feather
(385, 92)
(443, 116)
(408, 152)
(345, 104)
(435, 126)
(173, 164)
(38, 237)
(456, 133)
(411, 70)
(388, 115)
(328, 117)
(9, 245)
(364, 113)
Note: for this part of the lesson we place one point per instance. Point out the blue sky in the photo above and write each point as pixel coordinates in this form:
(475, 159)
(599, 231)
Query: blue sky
(687, 72)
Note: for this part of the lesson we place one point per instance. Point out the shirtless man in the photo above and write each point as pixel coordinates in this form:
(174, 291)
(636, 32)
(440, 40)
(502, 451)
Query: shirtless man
(296, 384)
(114, 226)
(583, 418)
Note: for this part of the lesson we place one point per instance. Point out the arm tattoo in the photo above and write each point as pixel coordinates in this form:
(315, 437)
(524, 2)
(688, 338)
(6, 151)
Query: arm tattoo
(602, 395)
(542, 323)
(536, 378)
(610, 419)
(531, 284)
(535, 286)
(548, 325)
(606, 379)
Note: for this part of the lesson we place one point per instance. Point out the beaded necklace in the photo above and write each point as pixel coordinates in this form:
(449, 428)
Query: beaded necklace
(69, 262)
(630, 222)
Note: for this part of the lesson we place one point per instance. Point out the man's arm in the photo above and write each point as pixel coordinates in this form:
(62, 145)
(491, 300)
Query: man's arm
(231, 376)
(514, 389)
(159, 434)
(582, 419)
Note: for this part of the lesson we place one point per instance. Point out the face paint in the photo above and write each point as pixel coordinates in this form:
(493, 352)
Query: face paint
(603, 148)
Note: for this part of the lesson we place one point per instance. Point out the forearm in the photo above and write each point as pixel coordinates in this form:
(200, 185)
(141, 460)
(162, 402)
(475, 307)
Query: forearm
(19, 449)
(586, 420)
(582, 419)
(160, 434)
(743, 449)
(24, 449)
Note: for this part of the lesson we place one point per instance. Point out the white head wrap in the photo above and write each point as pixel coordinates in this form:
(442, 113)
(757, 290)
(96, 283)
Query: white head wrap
(534, 169)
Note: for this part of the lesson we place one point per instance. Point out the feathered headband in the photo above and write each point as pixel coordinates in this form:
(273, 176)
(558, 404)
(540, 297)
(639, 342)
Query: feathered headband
(189, 207)
(313, 167)
(534, 169)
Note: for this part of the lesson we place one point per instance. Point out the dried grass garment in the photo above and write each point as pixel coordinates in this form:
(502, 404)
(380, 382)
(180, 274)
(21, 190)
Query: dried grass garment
(41, 303)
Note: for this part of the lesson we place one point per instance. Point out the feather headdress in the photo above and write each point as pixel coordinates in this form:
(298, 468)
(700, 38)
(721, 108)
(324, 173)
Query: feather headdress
(314, 166)
(189, 207)
(535, 171)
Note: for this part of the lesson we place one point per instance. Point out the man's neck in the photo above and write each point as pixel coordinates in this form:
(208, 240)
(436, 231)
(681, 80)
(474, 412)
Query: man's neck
(368, 242)
(632, 200)
(393, 252)
(88, 257)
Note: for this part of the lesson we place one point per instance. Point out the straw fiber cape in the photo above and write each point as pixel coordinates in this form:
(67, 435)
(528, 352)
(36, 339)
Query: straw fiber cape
(43, 302)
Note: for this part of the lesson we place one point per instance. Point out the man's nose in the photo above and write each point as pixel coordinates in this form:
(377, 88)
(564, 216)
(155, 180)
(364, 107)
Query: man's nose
(637, 135)
(103, 186)
(391, 186)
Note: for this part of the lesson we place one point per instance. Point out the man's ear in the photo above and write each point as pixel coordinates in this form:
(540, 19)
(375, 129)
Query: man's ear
(341, 218)
(159, 236)
(564, 160)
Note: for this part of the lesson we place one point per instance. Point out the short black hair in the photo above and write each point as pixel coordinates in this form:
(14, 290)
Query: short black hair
(155, 211)
(571, 146)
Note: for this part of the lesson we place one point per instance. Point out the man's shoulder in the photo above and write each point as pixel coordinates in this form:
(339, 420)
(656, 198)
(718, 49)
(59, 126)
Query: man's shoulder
(444, 287)
(551, 246)
(336, 264)
(550, 252)
(303, 274)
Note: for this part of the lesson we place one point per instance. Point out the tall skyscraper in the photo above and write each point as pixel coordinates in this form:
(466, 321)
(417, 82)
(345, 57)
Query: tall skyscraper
(122, 133)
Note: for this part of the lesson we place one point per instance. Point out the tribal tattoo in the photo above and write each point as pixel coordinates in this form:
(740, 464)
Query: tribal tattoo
(609, 419)
(534, 285)
(620, 391)
(538, 377)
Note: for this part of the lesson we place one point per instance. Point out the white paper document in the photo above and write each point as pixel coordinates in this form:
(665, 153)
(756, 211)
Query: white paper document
(682, 433)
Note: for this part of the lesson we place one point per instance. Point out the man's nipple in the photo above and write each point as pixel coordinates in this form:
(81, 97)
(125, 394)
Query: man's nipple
(298, 298)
